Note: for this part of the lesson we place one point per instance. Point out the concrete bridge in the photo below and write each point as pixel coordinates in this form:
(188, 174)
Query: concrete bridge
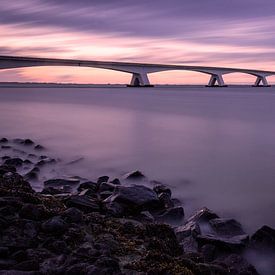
(139, 71)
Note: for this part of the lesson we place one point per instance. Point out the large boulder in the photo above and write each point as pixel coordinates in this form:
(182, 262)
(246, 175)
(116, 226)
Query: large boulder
(134, 198)
(83, 203)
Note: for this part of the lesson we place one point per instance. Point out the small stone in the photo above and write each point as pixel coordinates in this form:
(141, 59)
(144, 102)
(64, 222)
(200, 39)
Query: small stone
(102, 179)
(161, 188)
(165, 199)
(104, 186)
(39, 147)
(27, 142)
(135, 175)
(88, 185)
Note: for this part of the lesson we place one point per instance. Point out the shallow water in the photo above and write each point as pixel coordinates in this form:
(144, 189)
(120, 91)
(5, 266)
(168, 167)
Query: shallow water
(214, 147)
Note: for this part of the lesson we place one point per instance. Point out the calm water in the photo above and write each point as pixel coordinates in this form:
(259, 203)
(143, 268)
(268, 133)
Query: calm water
(214, 147)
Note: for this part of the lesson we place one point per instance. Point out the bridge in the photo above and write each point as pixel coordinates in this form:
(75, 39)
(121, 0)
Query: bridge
(139, 71)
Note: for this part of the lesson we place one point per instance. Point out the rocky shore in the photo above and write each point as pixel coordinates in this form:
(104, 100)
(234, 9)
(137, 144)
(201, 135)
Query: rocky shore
(110, 226)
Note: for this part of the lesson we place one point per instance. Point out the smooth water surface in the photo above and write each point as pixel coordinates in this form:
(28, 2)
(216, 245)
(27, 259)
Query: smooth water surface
(214, 147)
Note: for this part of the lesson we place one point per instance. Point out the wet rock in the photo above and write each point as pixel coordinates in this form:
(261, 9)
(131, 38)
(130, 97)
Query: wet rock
(166, 201)
(226, 227)
(34, 212)
(161, 188)
(4, 140)
(135, 198)
(234, 243)
(6, 168)
(135, 175)
(104, 186)
(115, 181)
(114, 209)
(105, 194)
(73, 215)
(83, 203)
(39, 147)
(172, 216)
(51, 191)
(31, 175)
(60, 182)
(55, 226)
(5, 157)
(102, 179)
(264, 239)
(27, 142)
(88, 185)
(208, 251)
(14, 162)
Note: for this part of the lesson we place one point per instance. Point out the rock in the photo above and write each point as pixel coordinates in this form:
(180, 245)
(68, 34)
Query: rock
(108, 264)
(104, 186)
(114, 209)
(102, 179)
(203, 215)
(263, 239)
(54, 226)
(4, 252)
(73, 215)
(161, 188)
(6, 168)
(233, 244)
(27, 142)
(51, 191)
(14, 162)
(4, 140)
(5, 147)
(172, 216)
(39, 147)
(145, 216)
(88, 185)
(31, 175)
(135, 198)
(79, 269)
(166, 201)
(105, 194)
(115, 181)
(83, 203)
(208, 252)
(27, 265)
(60, 182)
(34, 212)
(135, 175)
(226, 227)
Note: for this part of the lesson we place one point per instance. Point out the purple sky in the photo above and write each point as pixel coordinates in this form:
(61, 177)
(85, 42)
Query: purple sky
(202, 32)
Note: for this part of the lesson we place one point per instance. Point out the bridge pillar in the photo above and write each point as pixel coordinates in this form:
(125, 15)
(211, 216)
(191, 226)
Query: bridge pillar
(216, 78)
(140, 80)
(261, 79)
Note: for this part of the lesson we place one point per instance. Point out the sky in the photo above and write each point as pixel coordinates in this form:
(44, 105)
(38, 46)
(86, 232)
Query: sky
(233, 33)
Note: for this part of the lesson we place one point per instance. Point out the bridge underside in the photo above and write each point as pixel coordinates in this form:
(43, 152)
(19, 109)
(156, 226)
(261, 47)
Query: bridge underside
(139, 71)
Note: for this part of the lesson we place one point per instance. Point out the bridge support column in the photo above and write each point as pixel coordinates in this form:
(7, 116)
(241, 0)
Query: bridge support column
(140, 80)
(261, 79)
(216, 78)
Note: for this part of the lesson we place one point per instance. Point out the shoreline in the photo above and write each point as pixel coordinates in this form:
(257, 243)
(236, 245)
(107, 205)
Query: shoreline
(116, 226)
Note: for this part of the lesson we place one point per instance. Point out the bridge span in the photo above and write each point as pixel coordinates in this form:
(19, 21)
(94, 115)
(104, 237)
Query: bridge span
(139, 71)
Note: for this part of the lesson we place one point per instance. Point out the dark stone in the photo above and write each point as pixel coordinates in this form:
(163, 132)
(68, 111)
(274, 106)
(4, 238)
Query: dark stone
(233, 244)
(111, 264)
(88, 185)
(264, 239)
(27, 142)
(105, 194)
(135, 175)
(79, 269)
(115, 181)
(161, 188)
(165, 199)
(4, 140)
(114, 209)
(60, 182)
(14, 162)
(34, 212)
(102, 179)
(55, 226)
(83, 203)
(226, 227)
(5, 157)
(4, 252)
(31, 176)
(208, 252)
(135, 198)
(73, 215)
(18, 140)
(27, 265)
(51, 191)
(104, 186)
(6, 168)
(39, 147)
(173, 215)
